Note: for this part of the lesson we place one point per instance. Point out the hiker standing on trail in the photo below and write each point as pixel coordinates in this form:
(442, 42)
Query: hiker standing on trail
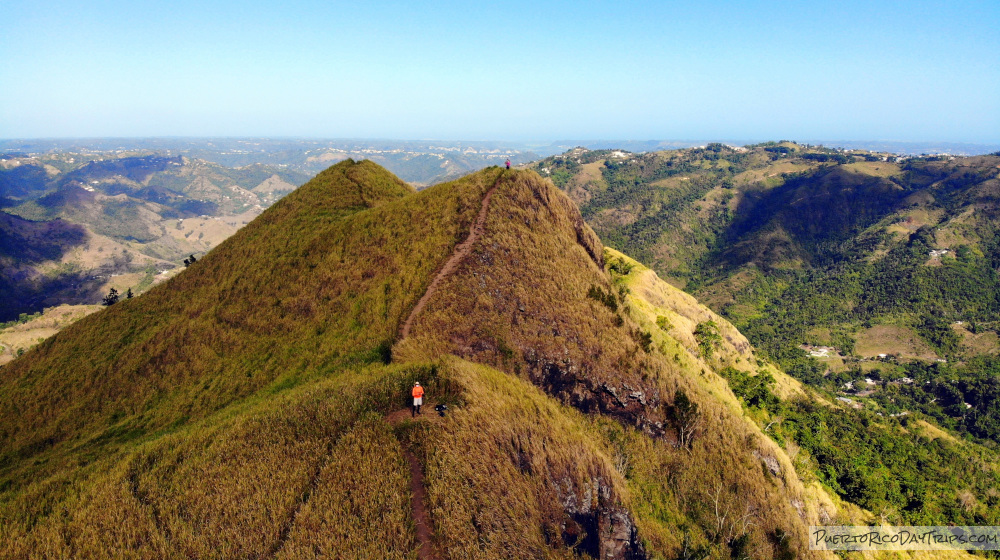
(418, 398)
(508, 163)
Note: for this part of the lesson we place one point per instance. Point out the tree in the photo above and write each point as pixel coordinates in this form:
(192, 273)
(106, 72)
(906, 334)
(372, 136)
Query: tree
(707, 335)
(111, 298)
(128, 294)
(686, 417)
(190, 261)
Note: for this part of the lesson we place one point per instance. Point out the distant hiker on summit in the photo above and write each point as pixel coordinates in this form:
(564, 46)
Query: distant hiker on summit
(418, 399)
(508, 163)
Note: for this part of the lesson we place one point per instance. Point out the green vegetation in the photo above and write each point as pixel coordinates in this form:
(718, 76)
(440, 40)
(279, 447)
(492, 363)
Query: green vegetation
(885, 456)
(788, 240)
(888, 465)
(823, 243)
(707, 334)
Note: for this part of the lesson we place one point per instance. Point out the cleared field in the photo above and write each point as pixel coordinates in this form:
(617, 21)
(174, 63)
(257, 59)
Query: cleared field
(876, 168)
(890, 339)
(975, 344)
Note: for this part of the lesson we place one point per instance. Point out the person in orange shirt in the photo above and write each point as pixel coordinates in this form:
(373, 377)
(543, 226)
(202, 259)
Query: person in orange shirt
(418, 398)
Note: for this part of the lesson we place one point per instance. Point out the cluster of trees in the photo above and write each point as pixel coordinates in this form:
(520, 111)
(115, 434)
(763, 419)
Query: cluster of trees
(113, 296)
(21, 319)
(860, 292)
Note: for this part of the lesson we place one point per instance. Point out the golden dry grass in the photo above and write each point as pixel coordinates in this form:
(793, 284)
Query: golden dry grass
(987, 342)
(25, 335)
(273, 475)
(875, 168)
(495, 311)
(502, 467)
(283, 300)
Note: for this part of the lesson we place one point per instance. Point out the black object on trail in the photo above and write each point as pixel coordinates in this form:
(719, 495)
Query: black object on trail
(441, 409)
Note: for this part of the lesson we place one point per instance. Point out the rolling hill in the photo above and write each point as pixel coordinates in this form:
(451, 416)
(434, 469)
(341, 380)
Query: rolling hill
(256, 404)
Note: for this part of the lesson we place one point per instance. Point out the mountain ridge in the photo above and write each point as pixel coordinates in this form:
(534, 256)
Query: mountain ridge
(579, 423)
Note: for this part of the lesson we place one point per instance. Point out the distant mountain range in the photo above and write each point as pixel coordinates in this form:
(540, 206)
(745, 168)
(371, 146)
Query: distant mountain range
(893, 147)
(72, 227)
(420, 163)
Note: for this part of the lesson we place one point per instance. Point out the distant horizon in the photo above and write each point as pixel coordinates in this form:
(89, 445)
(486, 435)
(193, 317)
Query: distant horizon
(521, 71)
(635, 145)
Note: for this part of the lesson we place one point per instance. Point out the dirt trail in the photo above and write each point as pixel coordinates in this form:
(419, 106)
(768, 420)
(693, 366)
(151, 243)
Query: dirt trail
(460, 252)
(420, 516)
(419, 494)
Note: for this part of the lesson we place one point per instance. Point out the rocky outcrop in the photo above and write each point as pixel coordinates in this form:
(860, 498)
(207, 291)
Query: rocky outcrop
(595, 523)
(635, 405)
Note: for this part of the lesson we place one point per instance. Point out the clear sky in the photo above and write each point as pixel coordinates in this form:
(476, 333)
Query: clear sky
(536, 70)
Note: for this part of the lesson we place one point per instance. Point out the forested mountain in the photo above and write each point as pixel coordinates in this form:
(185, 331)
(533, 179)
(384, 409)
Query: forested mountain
(840, 265)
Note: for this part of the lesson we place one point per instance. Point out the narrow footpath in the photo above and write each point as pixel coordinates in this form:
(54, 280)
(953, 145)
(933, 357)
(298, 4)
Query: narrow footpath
(460, 252)
(418, 500)
(421, 518)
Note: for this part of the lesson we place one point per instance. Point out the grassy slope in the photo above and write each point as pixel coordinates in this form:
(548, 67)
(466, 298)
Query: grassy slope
(234, 323)
(236, 409)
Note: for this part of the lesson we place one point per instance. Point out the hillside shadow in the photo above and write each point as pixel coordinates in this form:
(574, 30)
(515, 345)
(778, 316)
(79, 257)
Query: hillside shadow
(807, 217)
(23, 242)
(23, 292)
(138, 168)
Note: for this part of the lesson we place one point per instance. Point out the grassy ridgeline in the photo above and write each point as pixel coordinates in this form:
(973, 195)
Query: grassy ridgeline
(233, 484)
(237, 410)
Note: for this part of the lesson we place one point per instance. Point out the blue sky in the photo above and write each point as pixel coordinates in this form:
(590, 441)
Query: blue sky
(540, 70)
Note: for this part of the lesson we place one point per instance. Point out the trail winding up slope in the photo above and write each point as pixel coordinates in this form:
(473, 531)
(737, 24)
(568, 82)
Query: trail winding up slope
(460, 252)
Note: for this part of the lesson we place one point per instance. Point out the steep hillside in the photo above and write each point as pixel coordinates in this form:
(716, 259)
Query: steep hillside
(251, 405)
(894, 464)
(880, 266)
